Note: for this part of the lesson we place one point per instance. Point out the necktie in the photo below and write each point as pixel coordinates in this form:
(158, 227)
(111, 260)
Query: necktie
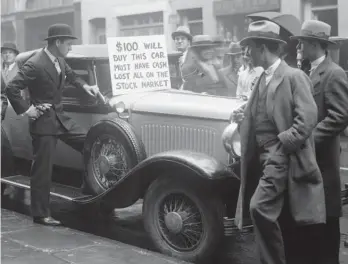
(56, 64)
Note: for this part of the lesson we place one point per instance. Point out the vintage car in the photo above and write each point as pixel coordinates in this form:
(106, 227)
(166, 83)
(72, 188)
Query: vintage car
(161, 146)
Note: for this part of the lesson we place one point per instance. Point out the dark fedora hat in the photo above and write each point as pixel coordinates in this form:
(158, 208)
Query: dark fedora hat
(60, 31)
(202, 41)
(265, 30)
(9, 46)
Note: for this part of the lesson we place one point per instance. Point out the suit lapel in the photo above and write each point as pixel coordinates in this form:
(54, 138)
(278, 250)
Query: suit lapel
(316, 75)
(49, 67)
(273, 86)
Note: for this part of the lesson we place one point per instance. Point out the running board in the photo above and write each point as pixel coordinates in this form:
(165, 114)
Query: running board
(57, 190)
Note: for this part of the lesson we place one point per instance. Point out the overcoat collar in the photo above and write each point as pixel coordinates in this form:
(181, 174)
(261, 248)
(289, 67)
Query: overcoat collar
(316, 75)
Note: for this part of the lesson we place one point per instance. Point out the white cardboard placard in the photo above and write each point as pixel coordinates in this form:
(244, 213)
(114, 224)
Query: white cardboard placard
(138, 63)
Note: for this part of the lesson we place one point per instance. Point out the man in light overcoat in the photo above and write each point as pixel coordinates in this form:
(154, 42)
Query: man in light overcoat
(278, 155)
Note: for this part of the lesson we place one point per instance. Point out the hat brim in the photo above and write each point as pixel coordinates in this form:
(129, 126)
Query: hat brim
(244, 41)
(6, 48)
(175, 34)
(234, 53)
(61, 36)
(203, 45)
(312, 38)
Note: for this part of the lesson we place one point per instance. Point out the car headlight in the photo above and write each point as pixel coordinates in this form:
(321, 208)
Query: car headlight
(120, 107)
(231, 140)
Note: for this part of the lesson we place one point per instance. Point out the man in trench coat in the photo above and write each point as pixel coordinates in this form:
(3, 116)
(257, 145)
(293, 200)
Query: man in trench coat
(278, 156)
(331, 96)
(44, 74)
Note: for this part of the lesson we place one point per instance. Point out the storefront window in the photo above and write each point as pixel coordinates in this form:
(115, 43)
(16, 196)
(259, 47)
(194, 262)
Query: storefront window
(326, 11)
(193, 18)
(142, 24)
(323, 2)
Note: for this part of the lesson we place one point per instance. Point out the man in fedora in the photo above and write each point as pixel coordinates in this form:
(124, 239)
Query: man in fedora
(278, 158)
(330, 90)
(229, 74)
(9, 53)
(182, 39)
(44, 74)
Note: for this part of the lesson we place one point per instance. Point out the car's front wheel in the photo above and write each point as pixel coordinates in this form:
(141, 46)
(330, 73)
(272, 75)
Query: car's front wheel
(113, 149)
(182, 220)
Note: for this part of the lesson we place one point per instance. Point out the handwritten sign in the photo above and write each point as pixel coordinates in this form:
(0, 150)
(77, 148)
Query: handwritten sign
(138, 63)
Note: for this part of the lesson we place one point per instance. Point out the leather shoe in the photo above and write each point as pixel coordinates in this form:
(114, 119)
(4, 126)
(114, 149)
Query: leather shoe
(49, 221)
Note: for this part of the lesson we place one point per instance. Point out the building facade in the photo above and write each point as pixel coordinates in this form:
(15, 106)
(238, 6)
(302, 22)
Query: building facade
(26, 21)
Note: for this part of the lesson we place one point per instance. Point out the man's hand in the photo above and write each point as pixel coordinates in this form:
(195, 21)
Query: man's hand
(238, 115)
(91, 90)
(34, 112)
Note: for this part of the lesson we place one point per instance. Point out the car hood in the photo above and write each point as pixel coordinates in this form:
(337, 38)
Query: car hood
(182, 103)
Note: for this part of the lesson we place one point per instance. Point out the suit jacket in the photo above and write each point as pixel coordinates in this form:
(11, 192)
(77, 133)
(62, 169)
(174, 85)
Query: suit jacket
(230, 80)
(290, 105)
(45, 86)
(10, 74)
(4, 101)
(331, 96)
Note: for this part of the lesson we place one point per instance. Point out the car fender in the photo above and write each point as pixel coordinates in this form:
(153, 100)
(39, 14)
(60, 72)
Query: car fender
(188, 165)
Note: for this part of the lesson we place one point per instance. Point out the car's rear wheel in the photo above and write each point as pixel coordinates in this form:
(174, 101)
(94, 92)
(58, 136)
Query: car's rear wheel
(182, 220)
(113, 149)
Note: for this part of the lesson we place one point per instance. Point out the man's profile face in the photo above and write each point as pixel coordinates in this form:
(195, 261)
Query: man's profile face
(8, 56)
(306, 48)
(181, 43)
(253, 54)
(64, 46)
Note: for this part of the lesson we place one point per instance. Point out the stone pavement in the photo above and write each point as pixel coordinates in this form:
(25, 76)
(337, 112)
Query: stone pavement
(22, 241)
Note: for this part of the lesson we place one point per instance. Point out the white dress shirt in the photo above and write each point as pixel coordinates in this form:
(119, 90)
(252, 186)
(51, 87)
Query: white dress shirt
(54, 60)
(271, 70)
(316, 63)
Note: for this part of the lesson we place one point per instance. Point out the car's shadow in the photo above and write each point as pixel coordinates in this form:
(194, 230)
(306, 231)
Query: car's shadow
(125, 225)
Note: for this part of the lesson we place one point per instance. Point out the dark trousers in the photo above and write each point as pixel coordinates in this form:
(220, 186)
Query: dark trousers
(313, 244)
(41, 170)
(267, 203)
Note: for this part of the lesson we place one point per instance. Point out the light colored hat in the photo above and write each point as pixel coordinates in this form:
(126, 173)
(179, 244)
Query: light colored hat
(202, 41)
(316, 30)
(182, 31)
(263, 29)
(234, 49)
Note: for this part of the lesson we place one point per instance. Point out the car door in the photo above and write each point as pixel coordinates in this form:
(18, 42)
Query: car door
(81, 107)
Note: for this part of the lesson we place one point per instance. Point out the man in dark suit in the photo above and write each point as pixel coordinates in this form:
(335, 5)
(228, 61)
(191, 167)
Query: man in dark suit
(277, 155)
(331, 96)
(229, 74)
(44, 74)
(9, 53)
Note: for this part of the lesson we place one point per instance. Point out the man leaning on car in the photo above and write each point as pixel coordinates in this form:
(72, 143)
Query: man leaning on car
(44, 74)
(278, 156)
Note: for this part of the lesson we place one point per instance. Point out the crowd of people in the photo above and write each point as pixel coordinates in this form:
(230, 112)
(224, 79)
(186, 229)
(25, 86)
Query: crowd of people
(289, 127)
(207, 66)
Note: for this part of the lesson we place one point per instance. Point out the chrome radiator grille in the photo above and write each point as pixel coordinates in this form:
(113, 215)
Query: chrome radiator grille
(158, 138)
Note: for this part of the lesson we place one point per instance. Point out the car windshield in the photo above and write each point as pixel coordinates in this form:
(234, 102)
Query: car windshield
(103, 77)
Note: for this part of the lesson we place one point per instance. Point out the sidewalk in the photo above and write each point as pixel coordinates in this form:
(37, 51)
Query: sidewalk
(26, 242)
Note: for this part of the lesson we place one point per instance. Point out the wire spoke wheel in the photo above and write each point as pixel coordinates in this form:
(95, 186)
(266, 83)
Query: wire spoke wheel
(109, 160)
(180, 222)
